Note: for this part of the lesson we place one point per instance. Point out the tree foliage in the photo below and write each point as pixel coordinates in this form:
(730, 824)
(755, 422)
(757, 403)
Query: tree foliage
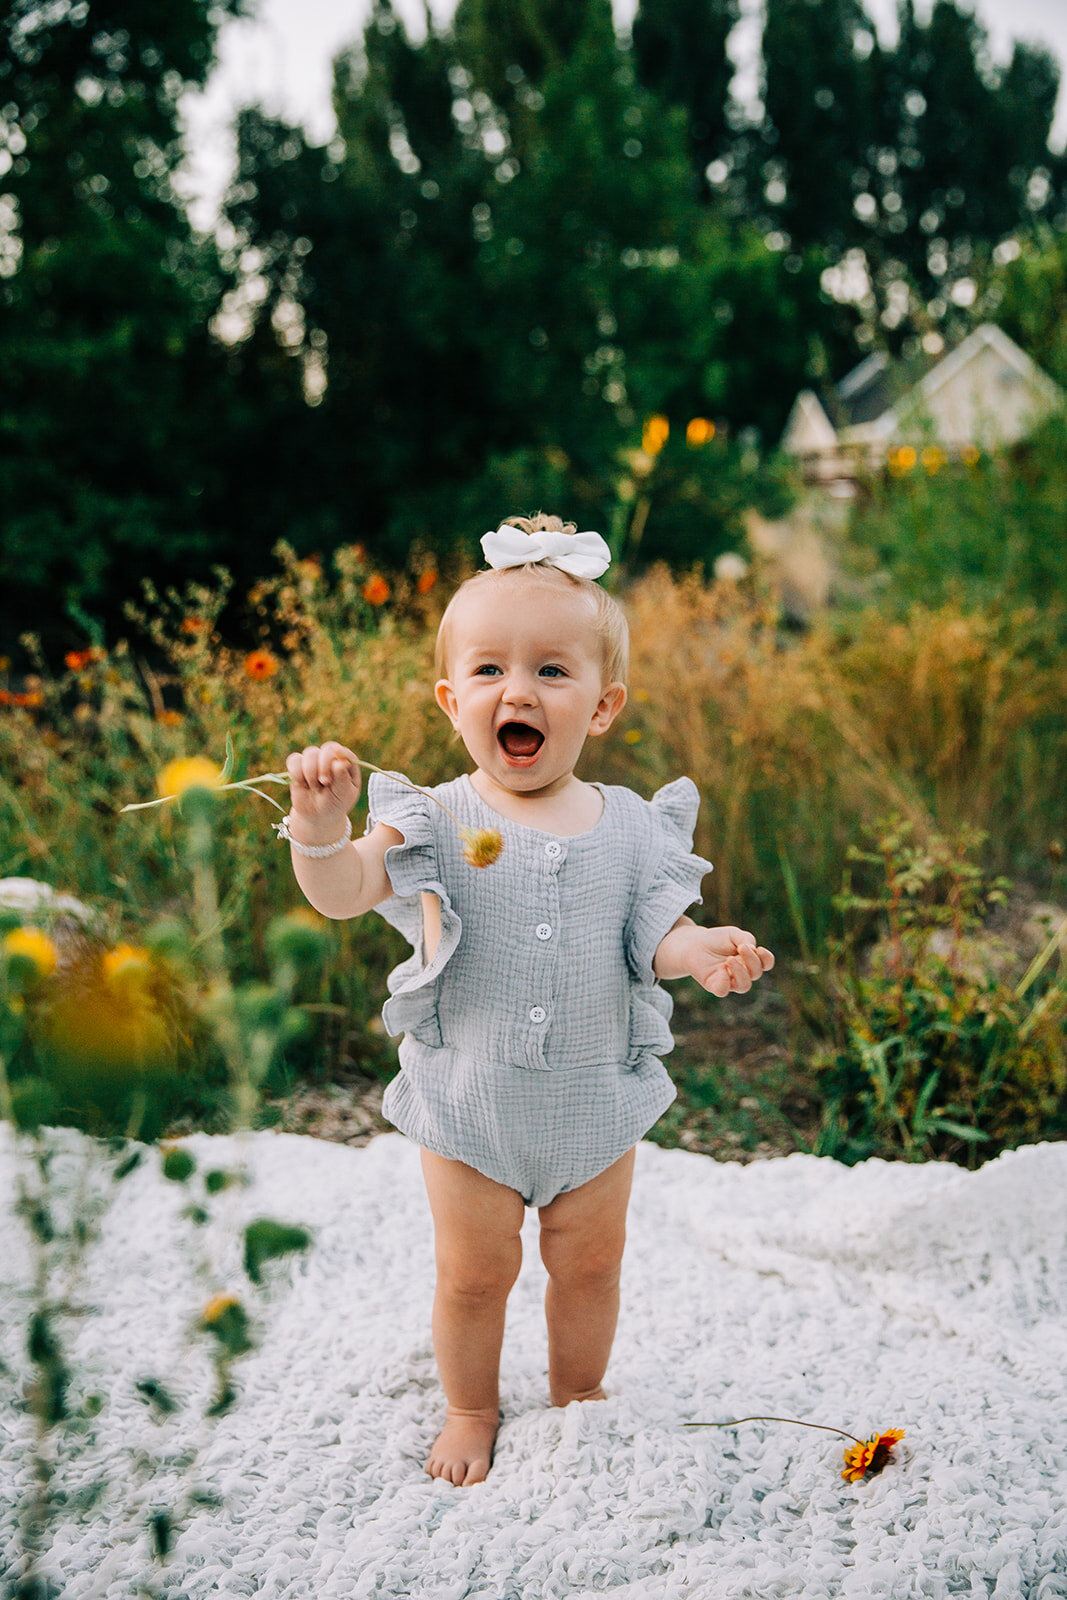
(104, 297)
(527, 236)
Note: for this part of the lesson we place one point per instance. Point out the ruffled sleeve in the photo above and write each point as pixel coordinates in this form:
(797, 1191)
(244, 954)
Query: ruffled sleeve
(412, 869)
(673, 882)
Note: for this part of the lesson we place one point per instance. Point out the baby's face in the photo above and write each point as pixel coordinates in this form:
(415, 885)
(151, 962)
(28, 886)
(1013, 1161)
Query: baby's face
(525, 686)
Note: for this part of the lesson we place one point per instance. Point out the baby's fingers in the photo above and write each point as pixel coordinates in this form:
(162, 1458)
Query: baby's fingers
(338, 765)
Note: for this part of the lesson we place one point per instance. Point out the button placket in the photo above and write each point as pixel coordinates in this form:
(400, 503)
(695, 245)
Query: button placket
(544, 932)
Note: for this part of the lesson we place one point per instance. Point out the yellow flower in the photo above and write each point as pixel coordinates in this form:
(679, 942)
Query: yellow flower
(970, 455)
(217, 1305)
(632, 736)
(701, 430)
(641, 696)
(933, 459)
(34, 946)
(867, 1459)
(902, 459)
(125, 961)
(189, 772)
(481, 846)
(654, 435)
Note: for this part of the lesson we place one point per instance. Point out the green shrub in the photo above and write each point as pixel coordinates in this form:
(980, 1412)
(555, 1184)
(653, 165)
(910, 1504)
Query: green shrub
(937, 1054)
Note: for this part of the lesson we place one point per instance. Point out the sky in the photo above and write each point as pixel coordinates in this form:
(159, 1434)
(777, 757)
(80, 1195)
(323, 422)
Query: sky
(282, 61)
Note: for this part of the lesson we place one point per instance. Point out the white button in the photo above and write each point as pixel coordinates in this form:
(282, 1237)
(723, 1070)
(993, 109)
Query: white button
(538, 1014)
(544, 930)
(553, 850)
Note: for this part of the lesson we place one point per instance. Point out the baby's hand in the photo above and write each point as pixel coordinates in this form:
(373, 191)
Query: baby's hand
(324, 783)
(725, 960)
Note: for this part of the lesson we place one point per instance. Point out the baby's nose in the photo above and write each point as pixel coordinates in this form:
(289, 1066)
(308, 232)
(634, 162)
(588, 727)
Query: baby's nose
(520, 688)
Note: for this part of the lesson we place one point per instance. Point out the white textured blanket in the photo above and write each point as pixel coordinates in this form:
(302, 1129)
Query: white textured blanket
(880, 1296)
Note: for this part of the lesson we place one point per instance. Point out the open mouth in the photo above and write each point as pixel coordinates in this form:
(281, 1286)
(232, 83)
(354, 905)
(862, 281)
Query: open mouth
(519, 741)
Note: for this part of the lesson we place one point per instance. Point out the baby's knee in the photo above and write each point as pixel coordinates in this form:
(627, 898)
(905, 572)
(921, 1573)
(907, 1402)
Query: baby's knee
(591, 1263)
(475, 1276)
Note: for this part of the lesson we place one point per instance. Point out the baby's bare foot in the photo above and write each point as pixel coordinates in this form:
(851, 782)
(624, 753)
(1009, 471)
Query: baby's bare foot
(463, 1449)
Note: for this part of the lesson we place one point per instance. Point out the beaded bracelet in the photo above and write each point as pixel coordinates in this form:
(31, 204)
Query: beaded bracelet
(318, 851)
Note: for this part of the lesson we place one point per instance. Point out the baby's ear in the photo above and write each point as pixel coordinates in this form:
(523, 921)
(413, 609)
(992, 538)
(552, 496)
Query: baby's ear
(612, 700)
(445, 696)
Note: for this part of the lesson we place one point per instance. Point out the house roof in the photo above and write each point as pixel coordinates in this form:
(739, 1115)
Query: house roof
(869, 402)
(875, 386)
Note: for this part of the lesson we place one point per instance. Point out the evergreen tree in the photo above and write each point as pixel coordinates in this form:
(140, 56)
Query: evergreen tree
(104, 299)
(820, 62)
(680, 54)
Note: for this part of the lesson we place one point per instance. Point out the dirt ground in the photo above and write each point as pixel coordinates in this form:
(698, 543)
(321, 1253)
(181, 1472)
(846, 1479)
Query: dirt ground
(740, 1097)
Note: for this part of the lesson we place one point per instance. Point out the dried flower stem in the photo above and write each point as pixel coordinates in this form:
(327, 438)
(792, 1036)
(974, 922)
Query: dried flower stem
(795, 1420)
(283, 777)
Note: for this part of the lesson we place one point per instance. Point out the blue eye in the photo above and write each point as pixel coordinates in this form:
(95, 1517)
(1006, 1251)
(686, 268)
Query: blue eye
(556, 672)
(486, 670)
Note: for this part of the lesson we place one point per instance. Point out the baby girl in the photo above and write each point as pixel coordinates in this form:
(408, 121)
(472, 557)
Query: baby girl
(532, 1012)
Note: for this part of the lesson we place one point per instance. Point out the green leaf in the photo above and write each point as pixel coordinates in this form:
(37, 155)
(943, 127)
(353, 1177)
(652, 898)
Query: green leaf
(265, 1240)
(972, 1135)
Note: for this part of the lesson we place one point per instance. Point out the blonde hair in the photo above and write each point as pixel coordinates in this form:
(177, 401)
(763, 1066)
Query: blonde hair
(609, 623)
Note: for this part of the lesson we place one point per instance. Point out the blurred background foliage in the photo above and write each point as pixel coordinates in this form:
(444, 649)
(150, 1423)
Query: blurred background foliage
(540, 265)
(528, 235)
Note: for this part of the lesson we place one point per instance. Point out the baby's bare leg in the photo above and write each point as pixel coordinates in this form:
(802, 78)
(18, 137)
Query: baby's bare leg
(478, 1245)
(582, 1236)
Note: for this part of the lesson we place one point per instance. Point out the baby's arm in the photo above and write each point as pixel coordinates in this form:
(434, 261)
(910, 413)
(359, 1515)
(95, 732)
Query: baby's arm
(722, 960)
(324, 785)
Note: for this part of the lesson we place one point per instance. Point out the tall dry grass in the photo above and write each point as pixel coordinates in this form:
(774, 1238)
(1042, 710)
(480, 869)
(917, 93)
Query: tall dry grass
(945, 715)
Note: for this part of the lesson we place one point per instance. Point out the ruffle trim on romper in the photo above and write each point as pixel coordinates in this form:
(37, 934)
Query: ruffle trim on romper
(673, 887)
(412, 868)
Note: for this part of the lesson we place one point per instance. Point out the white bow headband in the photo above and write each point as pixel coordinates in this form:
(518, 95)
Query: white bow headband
(584, 555)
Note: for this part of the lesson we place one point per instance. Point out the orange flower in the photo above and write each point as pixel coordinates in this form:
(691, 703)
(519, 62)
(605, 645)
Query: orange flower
(192, 625)
(426, 581)
(701, 430)
(867, 1459)
(376, 590)
(9, 697)
(77, 660)
(170, 719)
(654, 435)
(261, 664)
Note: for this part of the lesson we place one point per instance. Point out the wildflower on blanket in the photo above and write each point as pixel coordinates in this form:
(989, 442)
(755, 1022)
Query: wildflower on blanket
(32, 950)
(867, 1459)
(189, 772)
(481, 846)
(863, 1458)
(260, 664)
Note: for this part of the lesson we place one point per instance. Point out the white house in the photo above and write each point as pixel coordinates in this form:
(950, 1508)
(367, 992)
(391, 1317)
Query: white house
(985, 392)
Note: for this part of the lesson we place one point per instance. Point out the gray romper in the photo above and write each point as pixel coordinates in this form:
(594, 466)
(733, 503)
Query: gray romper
(532, 1038)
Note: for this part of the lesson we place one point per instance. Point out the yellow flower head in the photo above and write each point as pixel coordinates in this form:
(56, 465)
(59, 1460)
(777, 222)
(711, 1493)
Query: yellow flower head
(865, 1460)
(33, 946)
(126, 961)
(701, 430)
(189, 772)
(481, 846)
(217, 1305)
